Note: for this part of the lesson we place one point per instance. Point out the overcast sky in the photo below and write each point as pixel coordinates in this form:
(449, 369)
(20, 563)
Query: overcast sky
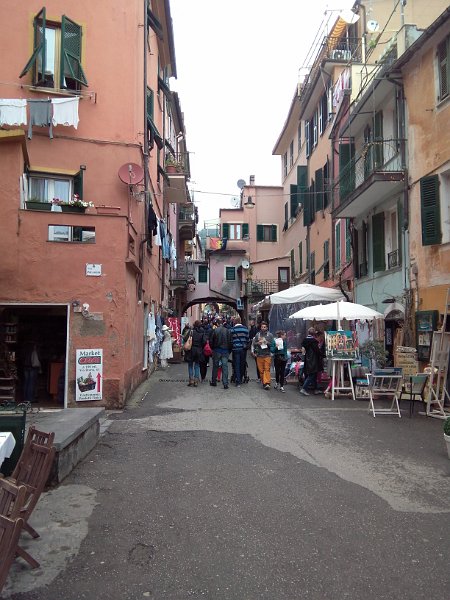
(238, 64)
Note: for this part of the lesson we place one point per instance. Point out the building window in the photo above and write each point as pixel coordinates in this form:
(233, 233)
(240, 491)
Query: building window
(299, 137)
(291, 154)
(56, 57)
(307, 139)
(337, 240)
(300, 258)
(293, 262)
(230, 273)
(378, 245)
(71, 233)
(443, 68)
(348, 241)
(235, 231)
(430, 210)
(326, 260)
(266, 233)
(40, 187)
(315, 128)
(312, 268)
(202, 274)
(285, 164)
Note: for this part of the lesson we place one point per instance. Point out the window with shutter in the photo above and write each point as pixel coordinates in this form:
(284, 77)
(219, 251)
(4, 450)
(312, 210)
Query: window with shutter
(319, 189)
(378, 249)
(52, 42)
(245, 230)
(293, 200)
(378, 139)
(78, 184)
(307, 139)
(302, 183)
(443, 68)
(225, 230)
(337, 241)
(202, 274)
(346, 170)
(274, 233)
(292, 262)
(348, 241)
(430, 210)
(260, 233)
(300, 257)
(299, 137)
(230, 273)
(326, 184)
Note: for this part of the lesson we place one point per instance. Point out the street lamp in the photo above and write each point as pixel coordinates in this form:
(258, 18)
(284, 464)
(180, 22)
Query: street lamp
(249, 203)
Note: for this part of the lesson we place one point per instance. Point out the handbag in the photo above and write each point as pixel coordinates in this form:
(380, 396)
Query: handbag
(188, 343)
(207, 349)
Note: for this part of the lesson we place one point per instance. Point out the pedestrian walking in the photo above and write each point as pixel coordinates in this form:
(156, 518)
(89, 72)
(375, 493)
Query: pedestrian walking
(311, 362)
(220, 343)
(253, 330)
(195, 338)
(239, 344)
(280, 357)
(261, 350)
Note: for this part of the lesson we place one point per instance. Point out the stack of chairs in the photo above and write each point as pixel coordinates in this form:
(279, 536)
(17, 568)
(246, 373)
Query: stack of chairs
(19, 495)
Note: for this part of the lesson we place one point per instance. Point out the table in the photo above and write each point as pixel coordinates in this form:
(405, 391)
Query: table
(7, 443)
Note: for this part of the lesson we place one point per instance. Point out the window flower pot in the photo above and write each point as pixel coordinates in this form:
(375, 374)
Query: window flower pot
(72, 209)
(36, 205)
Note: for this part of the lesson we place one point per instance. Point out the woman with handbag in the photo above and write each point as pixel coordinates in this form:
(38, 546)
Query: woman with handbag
(193, 341)
(204, 358)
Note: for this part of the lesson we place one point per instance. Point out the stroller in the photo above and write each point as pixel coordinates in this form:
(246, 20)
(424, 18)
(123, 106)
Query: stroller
(245, 377)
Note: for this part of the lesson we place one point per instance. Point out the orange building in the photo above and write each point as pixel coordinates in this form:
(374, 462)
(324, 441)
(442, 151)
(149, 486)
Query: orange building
(87, 123)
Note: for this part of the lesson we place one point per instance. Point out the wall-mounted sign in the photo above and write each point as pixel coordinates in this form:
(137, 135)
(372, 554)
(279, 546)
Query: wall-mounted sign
(89, 375)
(93, 270)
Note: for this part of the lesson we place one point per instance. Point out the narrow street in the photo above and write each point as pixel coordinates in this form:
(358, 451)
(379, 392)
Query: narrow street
(247, 494)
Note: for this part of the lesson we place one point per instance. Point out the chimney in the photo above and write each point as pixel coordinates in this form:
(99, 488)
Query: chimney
(252, 180)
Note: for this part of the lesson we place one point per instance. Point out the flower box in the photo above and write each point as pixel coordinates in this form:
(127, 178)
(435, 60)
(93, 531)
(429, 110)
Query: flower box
(36, 205)
(72, 209)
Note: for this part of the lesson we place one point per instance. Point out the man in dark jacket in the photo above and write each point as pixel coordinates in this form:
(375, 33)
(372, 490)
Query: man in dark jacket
(312, 362)
(239, 340)
(220, 342)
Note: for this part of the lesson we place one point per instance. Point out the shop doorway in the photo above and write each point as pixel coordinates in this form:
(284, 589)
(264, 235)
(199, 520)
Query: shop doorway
(33, 353)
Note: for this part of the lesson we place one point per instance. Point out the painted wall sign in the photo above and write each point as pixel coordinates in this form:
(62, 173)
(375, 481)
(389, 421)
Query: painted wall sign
(93, 270)
(89, 375)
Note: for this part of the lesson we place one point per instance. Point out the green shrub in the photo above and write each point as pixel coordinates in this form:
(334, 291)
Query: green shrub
(447, 426)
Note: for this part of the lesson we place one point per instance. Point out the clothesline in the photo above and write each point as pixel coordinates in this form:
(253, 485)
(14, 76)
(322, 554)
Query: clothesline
(74, 93)
(43, 112)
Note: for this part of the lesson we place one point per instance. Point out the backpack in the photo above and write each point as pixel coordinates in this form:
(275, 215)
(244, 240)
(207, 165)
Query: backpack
(207, 349)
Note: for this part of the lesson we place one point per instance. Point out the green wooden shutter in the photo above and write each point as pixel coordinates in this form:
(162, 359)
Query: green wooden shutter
(292, 263)
(245, 230)
(225, 230)
(150, 103)
(274, 233)
(326, 183)
(444, 68)
(300, 257)
(319, 189)
(348, 241)
(430, 210)
(302, 183)
(312, 202)
(78, 184)
(71, 67)
(39, 49)
(202, 274)
(400, 230)
(306, 209)
(378, 139)
(337, 240)
(379, 259)
(294, 200)
(260, 233)
(346, 170)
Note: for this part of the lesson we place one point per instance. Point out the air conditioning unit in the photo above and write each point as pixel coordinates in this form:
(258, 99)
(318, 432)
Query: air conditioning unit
(342, 55)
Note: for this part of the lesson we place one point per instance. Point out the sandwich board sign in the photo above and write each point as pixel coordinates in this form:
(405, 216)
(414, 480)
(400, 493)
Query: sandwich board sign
(89, 375)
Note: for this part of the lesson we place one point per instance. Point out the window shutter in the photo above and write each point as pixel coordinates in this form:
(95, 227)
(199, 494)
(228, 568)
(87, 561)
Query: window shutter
(307, 139)
(292, 262)
(300, 258)
(274, 233)
(400, 230)
(326, 183)
(346, 170)
(337, 236)
(39, 48)
(78, 184)
(312, 202)
(245, 230)
(443, 67)
(260, 233)
(71, 52)
(319, 190)
(378, 138)
(150, 104)
(294, 200)
(302, 183)
(348, 241)
(430, 210)
(379, 260)
(225, 230)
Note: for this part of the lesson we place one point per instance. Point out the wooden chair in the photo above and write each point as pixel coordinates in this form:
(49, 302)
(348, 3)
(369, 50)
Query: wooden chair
(387, 383)
(12, 499)
(9, 537)
(414, 389)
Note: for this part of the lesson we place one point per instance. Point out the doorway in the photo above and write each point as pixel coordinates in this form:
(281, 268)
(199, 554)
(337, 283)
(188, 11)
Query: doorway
(33, 353)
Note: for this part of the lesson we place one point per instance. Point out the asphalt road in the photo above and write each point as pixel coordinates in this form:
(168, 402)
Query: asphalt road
(246, 494)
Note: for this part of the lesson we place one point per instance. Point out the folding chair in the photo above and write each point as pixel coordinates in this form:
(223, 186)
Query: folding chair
(415, 388)
(12, 499)
(9, 536)
(387, 383)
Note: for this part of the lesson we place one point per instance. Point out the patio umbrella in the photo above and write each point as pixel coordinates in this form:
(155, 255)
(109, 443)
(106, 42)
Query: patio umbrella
(337, 311)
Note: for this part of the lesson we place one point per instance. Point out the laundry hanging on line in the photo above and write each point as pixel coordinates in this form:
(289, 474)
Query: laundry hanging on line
(43, 112)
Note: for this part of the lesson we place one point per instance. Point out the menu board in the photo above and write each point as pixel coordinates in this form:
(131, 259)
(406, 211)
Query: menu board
(407, 362)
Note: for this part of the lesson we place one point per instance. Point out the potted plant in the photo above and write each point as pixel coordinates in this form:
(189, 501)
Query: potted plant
(447, 434)
(172, 165)
(37, 204)
(75, 204)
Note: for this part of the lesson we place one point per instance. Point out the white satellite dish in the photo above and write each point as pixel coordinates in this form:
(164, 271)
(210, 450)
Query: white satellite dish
(240, 183)
(235, 202)
(373, 26)
(245, 264)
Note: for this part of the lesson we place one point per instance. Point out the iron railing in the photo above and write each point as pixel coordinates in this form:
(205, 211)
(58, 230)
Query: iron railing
(185, 271)
(177, 163)
(382, 156)
(258, 288)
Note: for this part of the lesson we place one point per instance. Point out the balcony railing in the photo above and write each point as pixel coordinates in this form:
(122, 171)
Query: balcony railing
(258, 288)
(393, 259)
(342, 49)
(177, 163)
(184, 272)
(383, 156)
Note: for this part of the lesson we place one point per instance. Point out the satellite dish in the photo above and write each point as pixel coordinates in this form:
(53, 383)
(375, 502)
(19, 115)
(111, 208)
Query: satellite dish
(373, 26)
(235, 202)
(131, 173)
(245, 264)
(240, 183)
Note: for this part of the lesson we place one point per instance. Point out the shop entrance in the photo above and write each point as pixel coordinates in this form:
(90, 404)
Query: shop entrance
(33, 350)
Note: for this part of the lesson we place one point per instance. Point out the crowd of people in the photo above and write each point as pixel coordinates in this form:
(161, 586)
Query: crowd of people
(215, 338)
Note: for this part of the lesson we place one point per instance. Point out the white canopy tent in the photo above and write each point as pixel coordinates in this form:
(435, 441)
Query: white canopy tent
(306, 292)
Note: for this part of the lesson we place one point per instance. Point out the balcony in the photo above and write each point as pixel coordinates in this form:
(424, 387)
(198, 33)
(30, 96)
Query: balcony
(187, 220)
(183, 275)
(257, 289)
(370, 177)
(393, 259)
(177, 171)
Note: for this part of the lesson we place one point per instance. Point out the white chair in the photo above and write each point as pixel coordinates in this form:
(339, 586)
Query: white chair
(388, 384)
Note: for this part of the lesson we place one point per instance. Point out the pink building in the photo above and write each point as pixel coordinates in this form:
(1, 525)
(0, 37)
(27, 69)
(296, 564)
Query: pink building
(92, 280)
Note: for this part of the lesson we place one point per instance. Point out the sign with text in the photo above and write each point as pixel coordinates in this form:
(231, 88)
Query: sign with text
(93, 270)
(89, 375)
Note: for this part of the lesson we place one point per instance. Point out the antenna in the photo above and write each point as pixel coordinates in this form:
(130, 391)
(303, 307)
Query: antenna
(240, 183)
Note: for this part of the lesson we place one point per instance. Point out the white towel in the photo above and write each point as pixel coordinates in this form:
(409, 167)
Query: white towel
(65, 111)
(13, 111)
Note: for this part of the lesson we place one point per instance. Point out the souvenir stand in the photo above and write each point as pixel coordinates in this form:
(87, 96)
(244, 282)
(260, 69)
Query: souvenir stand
(342, 346)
